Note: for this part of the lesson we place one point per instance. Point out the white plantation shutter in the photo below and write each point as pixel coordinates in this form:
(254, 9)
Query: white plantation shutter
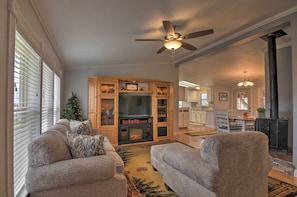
(56, 98)
(47, 98)
(26, 106)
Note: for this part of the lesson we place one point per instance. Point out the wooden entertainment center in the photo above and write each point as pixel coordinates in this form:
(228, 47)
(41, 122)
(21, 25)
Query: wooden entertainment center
(131, 110)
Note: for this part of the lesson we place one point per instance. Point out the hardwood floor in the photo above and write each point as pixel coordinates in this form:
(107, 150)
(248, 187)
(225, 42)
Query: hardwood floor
(195, 141)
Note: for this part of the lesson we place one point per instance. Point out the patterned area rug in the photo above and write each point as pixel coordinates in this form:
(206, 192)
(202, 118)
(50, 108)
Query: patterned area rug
(143, 181)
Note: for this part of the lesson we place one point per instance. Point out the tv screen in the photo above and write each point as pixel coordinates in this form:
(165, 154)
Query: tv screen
(134, 105)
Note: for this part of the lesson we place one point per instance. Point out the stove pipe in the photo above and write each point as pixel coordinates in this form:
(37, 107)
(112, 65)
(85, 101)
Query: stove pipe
(273, 75)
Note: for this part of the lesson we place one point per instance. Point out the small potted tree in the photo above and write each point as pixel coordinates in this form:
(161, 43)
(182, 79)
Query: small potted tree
(72, 110)
(261, 112)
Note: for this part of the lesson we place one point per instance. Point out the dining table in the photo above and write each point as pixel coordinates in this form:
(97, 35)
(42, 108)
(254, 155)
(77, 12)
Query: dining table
(247, 124)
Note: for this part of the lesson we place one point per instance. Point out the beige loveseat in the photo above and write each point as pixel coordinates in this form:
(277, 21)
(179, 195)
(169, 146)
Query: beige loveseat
(228, 165)
(53, 172)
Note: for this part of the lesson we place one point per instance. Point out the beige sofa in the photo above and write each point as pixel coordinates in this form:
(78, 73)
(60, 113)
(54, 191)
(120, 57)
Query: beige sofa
(228, 165)
(53, 172)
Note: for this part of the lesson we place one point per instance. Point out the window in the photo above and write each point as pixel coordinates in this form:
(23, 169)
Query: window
(47, 98)
(26, 106)
(203, 99)
(56, 98)
(36, 107)
(242, 101)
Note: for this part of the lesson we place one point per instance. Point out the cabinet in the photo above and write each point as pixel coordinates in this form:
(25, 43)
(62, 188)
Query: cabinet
(162, 107)
(202, 115)
(154, 104)
(192, 95)
(198, 116)
(103, 105)
(92, 101)
(183, 117)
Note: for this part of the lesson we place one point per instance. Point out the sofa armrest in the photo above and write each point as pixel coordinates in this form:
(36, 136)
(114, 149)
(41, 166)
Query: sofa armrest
(70, 172)
(190, 163)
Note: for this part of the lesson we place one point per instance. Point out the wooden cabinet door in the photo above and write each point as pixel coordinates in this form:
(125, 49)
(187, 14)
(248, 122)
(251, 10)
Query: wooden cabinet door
(92, 97)
(92, 101)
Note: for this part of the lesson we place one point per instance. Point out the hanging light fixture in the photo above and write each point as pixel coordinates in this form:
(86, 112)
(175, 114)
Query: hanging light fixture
(172, 44)
(245, 82)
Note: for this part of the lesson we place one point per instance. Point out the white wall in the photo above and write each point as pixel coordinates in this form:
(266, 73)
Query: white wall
(76, 80)
(222, 105)
(3, 101)
(18, 14)
(284, 74)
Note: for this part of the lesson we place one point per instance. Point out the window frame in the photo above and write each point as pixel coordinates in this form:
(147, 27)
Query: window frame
(22, 98)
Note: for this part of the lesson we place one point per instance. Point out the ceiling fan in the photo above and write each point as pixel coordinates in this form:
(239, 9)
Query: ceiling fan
(174, 40)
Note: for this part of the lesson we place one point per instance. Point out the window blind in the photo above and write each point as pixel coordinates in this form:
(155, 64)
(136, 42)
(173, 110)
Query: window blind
(57, 85)
(47, 98)
(26, 106)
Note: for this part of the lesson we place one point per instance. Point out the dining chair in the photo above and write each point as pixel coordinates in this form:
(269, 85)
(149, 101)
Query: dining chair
(224, 124)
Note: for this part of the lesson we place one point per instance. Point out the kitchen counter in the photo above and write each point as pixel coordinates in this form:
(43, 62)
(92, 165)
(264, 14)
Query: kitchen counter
(183, 117)
(210, 119)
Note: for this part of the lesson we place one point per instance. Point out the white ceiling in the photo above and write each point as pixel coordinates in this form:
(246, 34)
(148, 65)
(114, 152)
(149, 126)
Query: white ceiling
(103, 32)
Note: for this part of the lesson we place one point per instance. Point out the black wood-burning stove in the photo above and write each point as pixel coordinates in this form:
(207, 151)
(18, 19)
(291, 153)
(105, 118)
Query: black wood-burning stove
(276, 129)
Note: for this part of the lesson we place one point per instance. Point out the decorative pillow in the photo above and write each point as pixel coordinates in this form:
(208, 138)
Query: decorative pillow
(94, 131)
(85, 145)
(81, 127)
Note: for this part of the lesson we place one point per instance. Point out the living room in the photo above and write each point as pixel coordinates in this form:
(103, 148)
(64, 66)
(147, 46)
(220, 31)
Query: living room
(23, 15)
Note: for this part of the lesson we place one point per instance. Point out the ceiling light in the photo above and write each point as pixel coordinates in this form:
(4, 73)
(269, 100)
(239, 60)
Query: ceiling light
(172, 44)
(188, 84)
(245, 82)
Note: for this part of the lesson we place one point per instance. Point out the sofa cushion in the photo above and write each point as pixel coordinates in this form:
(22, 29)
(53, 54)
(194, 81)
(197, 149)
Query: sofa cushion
(107, 145)
(59, 127)
(85, 145)
(80, 127)
(48, 148)
(64, 122)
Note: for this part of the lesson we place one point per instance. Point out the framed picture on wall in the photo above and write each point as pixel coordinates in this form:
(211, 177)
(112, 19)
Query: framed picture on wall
(223, 96)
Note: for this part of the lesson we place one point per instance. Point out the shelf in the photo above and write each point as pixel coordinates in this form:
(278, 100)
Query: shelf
(136, 91)
(107, 88)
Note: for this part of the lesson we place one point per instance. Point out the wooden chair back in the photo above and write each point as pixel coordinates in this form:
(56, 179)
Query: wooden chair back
(223, 123)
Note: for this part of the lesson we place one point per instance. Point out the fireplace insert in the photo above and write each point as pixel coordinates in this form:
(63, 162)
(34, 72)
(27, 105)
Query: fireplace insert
(135, 130)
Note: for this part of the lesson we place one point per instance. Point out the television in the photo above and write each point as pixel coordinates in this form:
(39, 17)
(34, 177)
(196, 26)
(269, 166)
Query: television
(134, 105)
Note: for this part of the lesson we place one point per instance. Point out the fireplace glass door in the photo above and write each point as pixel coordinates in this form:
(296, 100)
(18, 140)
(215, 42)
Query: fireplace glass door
(136, 133)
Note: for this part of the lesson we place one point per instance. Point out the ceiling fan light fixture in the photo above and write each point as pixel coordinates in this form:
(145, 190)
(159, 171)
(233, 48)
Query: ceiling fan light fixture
(172, 44)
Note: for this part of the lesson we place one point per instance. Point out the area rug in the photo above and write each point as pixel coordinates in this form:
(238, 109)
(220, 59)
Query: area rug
(202, 133)
(141, 176)
(283, 166)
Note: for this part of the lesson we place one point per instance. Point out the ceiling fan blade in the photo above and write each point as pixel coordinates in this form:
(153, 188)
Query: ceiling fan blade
(198, 34)
(188, 46)
(149, 40)
(168, 27)
(161, 50)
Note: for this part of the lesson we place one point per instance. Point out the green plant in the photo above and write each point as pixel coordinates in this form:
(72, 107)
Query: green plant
(72, 110)
(261, 110)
